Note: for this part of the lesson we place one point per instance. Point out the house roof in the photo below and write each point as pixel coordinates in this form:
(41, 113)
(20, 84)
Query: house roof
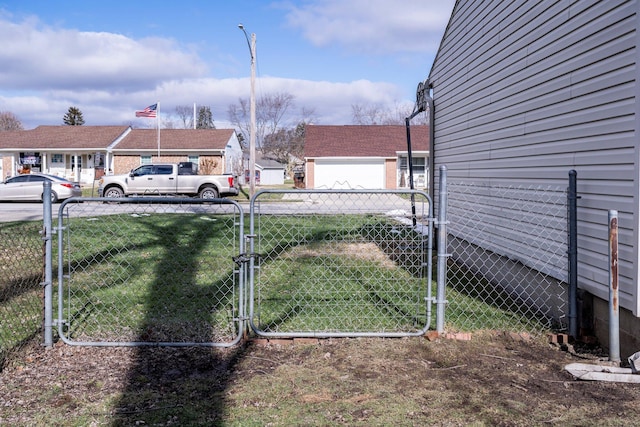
(362, 140)
(45, 138)
(175, 139)
(265, 163)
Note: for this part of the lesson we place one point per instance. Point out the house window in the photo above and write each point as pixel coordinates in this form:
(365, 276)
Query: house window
(145, 160)
(419, 171)
(418, 165)
(196, 161)
(57, 158)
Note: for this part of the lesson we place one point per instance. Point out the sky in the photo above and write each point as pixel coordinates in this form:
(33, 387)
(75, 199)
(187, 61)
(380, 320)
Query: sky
(111, 58)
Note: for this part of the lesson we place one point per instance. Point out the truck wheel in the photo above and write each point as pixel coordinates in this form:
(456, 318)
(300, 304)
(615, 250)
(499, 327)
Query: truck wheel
(114, 193)
(209, 193)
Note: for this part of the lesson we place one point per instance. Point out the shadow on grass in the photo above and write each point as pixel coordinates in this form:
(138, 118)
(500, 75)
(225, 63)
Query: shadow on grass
(178, 385)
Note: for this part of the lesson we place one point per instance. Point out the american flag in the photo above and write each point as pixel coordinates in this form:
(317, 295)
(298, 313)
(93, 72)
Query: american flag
(150, 111)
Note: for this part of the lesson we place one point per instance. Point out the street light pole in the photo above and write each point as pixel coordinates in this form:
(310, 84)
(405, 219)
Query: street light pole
(252, 131)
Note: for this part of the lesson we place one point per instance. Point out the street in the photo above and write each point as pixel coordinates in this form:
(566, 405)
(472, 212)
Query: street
(30, 211)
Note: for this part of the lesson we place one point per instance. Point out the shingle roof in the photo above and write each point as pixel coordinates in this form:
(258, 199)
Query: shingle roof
(176, 139)
(363, 141)
(267, 163)
(61, 137)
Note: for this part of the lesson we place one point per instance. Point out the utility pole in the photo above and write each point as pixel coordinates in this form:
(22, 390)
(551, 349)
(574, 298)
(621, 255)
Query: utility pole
(252, 102)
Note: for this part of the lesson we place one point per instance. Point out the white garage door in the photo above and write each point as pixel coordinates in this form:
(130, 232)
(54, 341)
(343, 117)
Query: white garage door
(350, 173)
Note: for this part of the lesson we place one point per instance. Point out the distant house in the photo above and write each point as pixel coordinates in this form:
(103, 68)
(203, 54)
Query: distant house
(85, 153)
(268, 171)
(214, 150)
(524, 92)
(369, 157)
(74, 152)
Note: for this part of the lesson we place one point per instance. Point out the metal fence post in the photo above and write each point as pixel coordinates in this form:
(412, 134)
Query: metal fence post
(572, 201)
(614, 302)
(442, 249)
(48, 263)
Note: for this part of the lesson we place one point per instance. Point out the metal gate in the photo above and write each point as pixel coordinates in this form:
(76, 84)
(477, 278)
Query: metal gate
(340, 263)
(150, 271)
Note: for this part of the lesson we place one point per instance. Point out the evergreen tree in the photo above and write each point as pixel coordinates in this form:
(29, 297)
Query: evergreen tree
(205, 119)
(73, 117)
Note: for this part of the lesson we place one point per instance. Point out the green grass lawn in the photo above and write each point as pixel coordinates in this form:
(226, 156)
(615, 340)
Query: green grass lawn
(21, 276)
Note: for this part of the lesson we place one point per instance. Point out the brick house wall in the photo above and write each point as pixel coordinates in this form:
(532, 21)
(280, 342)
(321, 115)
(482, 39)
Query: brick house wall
(6, 166)
(309, 174)
(211, 165)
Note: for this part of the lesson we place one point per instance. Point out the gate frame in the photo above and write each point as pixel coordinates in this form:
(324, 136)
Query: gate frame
(239, 321)
(428, 299)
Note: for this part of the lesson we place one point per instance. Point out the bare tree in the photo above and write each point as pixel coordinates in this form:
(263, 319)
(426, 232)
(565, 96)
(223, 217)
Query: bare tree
(238, 115)
(185, 115)
(9, 121)
(367, 114)
(284, 143)
(271, 111)
(168, 122)
(377, 114)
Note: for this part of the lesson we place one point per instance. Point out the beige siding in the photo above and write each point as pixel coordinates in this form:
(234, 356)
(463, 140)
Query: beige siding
(526, 91)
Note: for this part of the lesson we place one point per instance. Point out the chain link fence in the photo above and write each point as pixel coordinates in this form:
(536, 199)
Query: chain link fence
(150, 271)
(332, 263)
(507, 268)
(319, 263)
(21, 276)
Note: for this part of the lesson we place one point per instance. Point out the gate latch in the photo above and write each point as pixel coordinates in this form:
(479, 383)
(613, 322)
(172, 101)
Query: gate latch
(241, 259)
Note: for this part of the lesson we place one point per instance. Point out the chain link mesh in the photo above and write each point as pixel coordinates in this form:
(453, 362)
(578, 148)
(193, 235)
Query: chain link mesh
(21, 277)
(150, 272)
(508, 263)
(327, 262)
(340, 262)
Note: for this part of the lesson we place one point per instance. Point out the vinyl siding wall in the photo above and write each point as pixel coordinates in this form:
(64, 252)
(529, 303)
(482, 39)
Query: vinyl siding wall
(525, 91)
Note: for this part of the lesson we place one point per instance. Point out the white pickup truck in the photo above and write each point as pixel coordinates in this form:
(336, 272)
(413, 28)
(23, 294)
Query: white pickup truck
(167, 179)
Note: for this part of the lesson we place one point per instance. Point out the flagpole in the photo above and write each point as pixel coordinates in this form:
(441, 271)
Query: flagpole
(158, 127)
(194, 115)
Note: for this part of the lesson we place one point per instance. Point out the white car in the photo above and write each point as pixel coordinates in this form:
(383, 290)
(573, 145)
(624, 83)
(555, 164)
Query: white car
(30, 187)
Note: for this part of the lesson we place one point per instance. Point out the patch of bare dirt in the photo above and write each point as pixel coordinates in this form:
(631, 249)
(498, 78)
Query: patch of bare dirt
(491, 379)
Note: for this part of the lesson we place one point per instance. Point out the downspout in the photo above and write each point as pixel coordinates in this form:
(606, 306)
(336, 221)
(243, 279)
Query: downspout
(422, 99)
(407, 122)
(572, 199)
(429, 101)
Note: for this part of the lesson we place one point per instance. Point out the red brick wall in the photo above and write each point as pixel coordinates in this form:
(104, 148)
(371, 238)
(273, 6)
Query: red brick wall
(123, 164)
(6, 167)
(308, 176)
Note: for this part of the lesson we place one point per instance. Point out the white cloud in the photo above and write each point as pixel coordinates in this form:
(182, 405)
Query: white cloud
(373, 26)
(36, 56)
(330, 101)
